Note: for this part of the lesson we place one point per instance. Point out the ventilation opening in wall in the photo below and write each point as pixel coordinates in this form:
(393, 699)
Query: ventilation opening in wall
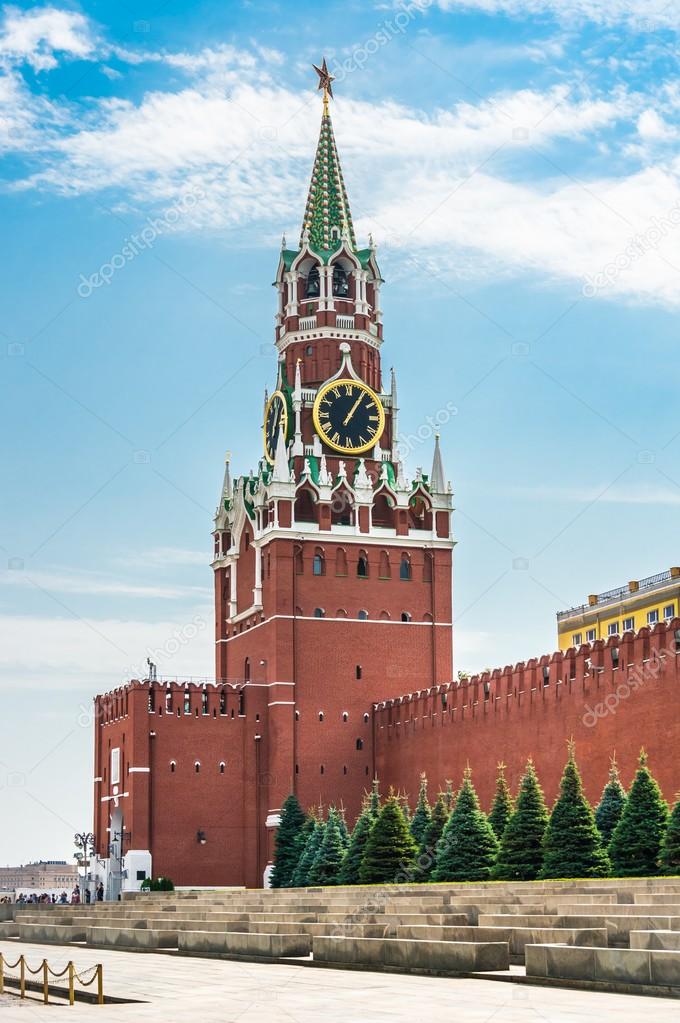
(322, 769)
(344, 770)
(358, 671)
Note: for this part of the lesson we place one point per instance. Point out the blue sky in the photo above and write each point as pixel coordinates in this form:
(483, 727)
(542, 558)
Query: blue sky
(517, 164)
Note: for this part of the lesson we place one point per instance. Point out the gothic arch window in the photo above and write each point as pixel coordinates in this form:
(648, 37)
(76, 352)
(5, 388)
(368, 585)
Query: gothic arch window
(173, 766)
(320, 715)
(360, 743)
(345, 716)
(340, 562)
(223, 766)
(197, 767)
(405, 567)
(342, 507)
(319, 563)
(246, 669)
(365, 719)
(305, 508)
(383, 513)
(363, 615)
(406, 616)
(362, 565)
(313, 285)
(340, 282)
(319, 612)
(384, 570)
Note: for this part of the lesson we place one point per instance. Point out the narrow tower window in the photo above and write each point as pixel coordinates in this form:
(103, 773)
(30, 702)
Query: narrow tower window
(313, 286)
(405, 567)
(362, 565)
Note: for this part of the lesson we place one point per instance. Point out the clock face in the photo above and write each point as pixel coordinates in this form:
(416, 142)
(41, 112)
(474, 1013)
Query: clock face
(275, 416)
(348, 416)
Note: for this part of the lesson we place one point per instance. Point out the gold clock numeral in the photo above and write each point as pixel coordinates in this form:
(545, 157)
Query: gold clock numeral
(324, 414)
(372, 431)
(327, 427)
(336, 438)
(336, 391)
(349, 390)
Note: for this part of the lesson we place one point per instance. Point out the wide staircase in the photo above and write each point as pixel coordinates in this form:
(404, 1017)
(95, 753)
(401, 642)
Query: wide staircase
(617, 934)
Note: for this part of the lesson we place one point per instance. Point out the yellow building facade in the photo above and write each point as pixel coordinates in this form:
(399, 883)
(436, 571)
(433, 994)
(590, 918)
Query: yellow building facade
(626, 609)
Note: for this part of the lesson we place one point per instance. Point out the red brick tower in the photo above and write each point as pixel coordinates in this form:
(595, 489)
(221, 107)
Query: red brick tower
(332, 569)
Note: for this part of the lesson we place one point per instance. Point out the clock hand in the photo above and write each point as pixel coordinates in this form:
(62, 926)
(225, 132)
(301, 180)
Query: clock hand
(353, 409)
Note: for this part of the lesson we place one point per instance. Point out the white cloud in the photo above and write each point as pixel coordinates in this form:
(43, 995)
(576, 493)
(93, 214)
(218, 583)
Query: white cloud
(96, 585)
(158, 557)
(36, 36)
(644, 14)
(99, 654)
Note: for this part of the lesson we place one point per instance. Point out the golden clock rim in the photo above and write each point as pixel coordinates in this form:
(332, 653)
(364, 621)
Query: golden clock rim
(329, 385)
(272, 396)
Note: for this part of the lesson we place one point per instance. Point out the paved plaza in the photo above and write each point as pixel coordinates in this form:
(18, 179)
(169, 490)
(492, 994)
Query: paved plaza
(172, 987)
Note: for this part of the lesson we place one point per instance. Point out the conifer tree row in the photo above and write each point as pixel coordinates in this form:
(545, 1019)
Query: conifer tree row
(629, 835)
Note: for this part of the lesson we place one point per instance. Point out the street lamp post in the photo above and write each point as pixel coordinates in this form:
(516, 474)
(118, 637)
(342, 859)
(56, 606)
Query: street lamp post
(85, 842)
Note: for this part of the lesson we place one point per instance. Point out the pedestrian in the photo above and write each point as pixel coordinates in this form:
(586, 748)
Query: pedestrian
(100, 892)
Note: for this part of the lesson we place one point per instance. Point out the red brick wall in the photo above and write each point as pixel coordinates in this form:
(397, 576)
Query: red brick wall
(605, 708)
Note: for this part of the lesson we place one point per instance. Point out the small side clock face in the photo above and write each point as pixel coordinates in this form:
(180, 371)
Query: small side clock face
(275, 416)
(348, 416)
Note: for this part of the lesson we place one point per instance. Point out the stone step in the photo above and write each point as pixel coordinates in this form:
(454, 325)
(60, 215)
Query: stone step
(252, 946)
(666, 940)
(440, 956)
(604, 965)
(517, 937)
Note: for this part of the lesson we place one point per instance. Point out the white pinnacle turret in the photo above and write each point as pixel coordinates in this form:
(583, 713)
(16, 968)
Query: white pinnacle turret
(437, 477)
(281, 473)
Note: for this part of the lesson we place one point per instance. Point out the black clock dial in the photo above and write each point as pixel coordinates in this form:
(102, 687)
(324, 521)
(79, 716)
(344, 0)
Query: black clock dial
(348, 416)
(275, 416)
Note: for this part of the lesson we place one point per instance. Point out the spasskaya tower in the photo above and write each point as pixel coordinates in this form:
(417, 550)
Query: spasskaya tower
(332, 568)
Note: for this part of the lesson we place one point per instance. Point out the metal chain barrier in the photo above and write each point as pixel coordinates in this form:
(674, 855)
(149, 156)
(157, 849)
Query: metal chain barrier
(94, 973)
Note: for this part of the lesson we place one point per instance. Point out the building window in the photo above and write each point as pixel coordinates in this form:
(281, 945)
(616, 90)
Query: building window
(345, 716)
(187, 703)
(653, 616)
(576, 639)
(362, 566)
(360, 743)
(406, 616)
(363, 615)
(312, 289)
(320, 715)
(322, 769)
(590, 636)
(613, 629)
(173, 766)
(319, 563)
(309, 350)
(669, 611)
(319, 612)
(358, 671)
(197, 767)
(340, 282)
(405, 567)
(365, 719)
(222, 766)
(628, 624)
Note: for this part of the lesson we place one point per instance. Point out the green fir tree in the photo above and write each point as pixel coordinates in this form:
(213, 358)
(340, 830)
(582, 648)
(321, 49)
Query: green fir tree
(635, 848)
(423, 813)
(670, 850)
(572, 846)
(449, 796)
(610, 807)
(468, 847)
(520, 856)
(300, 877)
(390, 850)
(374, 801)
(325, 870)
(290, 842)
(427, 854)
(344, 832)
(349, 872)
(503, 804)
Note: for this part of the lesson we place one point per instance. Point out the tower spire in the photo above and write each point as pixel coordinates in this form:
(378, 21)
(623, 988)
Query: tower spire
(327, 213)
(437, 480)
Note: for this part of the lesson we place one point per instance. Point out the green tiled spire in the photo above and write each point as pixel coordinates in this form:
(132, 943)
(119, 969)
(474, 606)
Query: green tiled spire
(327, 202)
